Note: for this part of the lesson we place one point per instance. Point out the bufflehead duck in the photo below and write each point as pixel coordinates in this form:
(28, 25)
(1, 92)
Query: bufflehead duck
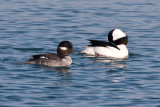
(115, 48)
(62, 57)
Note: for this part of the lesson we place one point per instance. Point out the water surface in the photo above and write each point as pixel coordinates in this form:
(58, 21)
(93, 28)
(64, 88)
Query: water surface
(37, 26)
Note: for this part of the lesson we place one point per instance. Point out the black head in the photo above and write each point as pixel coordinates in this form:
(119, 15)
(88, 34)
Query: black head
(64, 48)
(110, 37)
(117, 37)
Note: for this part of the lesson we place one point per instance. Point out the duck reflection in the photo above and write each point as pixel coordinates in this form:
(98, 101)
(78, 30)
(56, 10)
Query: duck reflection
(107, 62)
(59, 69)
(112, 63)
(48, 68)
(63, 75)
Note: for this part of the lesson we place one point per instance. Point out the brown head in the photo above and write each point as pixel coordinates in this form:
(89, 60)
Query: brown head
(64, 48)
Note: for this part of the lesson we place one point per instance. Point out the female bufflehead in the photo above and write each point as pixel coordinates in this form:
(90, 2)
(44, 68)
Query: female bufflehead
(115, 48)
(62, 57)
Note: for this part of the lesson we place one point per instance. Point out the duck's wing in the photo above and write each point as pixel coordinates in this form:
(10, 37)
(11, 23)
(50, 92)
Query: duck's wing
(50, 56)
(101, 43)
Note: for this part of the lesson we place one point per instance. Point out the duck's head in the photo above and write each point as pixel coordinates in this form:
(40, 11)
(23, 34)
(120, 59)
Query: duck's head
(64, 48)
(117, 37)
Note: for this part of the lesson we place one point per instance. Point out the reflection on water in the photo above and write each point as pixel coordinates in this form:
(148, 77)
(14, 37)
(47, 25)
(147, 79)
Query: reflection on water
(107, 62)
(59, 69)
(113, 63)
(37, 26)
(116, 75)
(49, 68)
(64, 77)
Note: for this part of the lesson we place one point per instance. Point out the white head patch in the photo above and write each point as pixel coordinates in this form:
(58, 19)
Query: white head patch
(117, 34)
(63, 48)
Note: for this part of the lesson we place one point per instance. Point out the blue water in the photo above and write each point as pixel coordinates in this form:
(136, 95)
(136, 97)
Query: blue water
(30, 27)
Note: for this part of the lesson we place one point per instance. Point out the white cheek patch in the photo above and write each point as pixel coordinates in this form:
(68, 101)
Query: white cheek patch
(63, 48)
(117, 34)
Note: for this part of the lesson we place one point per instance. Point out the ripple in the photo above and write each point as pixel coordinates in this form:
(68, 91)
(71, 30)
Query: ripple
(28, 49)
(30, 27)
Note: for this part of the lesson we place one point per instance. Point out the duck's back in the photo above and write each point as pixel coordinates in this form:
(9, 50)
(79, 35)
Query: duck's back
(50, 59)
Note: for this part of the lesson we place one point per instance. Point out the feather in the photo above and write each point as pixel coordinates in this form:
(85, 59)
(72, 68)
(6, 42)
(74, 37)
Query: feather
(102, 43)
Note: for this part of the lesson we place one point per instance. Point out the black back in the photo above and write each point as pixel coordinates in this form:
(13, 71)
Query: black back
(102, 43)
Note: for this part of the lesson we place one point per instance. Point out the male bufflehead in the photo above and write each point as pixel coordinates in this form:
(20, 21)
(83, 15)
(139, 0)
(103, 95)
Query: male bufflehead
(62, 57)
(115, 48)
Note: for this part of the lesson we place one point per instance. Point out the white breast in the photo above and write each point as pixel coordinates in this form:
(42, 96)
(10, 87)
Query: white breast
(67, 61)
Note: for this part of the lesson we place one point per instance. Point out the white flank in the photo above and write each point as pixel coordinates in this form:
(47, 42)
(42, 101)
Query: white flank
(88, 50)
(112, 52)
(117, 34)
(63, 48)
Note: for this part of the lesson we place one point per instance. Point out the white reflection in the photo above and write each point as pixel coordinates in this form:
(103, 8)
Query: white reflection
(112, 63)
(107, 62)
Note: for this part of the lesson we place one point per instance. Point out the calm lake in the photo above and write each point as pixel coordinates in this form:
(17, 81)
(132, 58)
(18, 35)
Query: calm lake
(29, 27)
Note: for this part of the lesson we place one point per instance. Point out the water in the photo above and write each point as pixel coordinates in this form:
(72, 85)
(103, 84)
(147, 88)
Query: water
(30, 27)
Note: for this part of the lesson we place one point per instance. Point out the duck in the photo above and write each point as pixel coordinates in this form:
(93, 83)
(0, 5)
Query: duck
(59, 59)
(115, 48)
